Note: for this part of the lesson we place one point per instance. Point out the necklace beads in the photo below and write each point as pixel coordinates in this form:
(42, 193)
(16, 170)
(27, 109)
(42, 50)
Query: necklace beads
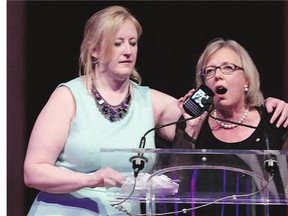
(229, 125)
(112, 113)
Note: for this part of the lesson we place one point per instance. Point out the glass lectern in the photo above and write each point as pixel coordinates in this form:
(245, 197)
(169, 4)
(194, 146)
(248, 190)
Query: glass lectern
(199, 177)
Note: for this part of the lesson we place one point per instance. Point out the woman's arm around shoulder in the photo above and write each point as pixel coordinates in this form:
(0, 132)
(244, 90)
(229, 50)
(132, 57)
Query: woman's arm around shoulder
(165, 110)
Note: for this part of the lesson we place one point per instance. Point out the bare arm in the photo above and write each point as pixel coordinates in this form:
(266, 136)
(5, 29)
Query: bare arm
(47, 141)
(165, 111)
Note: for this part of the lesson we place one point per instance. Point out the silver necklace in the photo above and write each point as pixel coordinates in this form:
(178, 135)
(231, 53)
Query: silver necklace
(229, 125)
(110, 112)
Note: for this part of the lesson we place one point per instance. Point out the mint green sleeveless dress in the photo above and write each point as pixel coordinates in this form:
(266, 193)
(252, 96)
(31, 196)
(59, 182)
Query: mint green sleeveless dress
(90, 132)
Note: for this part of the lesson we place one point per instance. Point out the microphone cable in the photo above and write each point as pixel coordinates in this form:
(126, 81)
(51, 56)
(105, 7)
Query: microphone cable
(118, 205)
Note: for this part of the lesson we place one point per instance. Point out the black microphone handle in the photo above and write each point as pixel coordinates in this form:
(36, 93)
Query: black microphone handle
(270, 164)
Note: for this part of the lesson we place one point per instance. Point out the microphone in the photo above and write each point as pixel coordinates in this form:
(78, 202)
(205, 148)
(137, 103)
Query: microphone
(270, 163)
(138, 161)
(199, 102)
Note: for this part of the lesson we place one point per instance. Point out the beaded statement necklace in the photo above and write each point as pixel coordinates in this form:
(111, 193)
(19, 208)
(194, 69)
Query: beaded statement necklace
(112, 113)
(229, 125)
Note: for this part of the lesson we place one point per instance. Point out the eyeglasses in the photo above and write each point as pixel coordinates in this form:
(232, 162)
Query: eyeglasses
(226, 68)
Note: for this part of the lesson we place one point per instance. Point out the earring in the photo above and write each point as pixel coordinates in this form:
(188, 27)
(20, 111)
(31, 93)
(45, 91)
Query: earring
(94, 60)
(246, 88)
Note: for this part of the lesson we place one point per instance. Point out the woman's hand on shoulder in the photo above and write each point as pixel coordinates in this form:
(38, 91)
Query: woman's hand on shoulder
(281, 111)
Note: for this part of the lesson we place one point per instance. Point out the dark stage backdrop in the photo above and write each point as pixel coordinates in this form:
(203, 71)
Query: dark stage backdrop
(175, 33)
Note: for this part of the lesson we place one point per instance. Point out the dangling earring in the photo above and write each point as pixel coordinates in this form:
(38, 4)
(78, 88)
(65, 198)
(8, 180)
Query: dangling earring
(246, 88)
(94, 62)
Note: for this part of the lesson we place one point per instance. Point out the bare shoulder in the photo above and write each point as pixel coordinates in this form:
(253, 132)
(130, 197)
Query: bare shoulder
(61, 102)
(62, 92)
(62, 96)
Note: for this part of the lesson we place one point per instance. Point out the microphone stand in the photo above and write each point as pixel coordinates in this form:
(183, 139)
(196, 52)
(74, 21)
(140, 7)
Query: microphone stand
(270, 163)
(138, 161)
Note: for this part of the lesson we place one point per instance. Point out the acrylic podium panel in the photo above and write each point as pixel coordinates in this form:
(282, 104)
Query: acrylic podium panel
(203, 176)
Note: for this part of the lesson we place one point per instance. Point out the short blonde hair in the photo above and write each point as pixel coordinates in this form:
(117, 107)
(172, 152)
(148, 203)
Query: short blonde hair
(100, 31)
(254, 96)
